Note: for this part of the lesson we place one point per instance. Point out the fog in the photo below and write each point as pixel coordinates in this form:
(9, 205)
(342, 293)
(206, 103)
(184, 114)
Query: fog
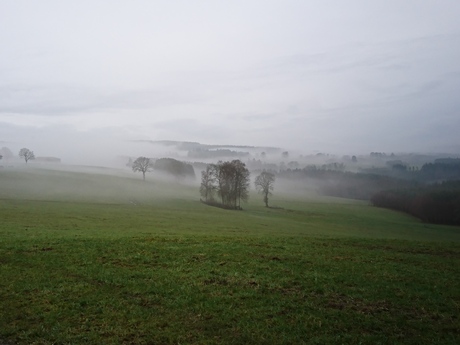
(93, 83)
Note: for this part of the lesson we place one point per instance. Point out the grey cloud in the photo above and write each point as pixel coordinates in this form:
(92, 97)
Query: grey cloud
(53, 100)
(260, 117)
(397, 55)
(47, 99)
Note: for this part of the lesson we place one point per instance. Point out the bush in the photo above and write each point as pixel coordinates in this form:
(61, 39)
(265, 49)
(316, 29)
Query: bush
(174, 167)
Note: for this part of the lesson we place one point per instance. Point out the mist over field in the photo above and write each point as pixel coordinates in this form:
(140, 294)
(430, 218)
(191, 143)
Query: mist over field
(229, 172)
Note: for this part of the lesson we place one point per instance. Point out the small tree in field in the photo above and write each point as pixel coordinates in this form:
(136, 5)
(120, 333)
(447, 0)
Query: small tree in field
(264, 185)
(26, 154)
(143, 165)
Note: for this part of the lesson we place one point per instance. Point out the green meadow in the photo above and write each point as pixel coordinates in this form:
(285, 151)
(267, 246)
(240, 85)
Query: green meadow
(101, 257)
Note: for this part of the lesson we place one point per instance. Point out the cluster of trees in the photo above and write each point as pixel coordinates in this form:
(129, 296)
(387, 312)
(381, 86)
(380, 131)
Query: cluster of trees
(228, 180)
(439, 203)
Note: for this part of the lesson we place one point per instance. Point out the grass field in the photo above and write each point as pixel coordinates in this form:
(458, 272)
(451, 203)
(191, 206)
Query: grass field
(96, 257)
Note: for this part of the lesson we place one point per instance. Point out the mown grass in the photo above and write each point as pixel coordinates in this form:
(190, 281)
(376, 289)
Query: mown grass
(123, 261)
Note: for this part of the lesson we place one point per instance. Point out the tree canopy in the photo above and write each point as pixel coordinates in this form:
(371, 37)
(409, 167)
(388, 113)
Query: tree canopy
(264, 184)
(208, 183)
(229, 179)
(143, 165)
(26, 154)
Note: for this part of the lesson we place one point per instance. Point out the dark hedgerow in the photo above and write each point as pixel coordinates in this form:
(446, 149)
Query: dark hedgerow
(438, 203)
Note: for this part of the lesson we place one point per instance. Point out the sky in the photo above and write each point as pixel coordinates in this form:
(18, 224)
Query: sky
(334, 76)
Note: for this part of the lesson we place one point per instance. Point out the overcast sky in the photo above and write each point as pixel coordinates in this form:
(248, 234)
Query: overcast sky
(332, 76)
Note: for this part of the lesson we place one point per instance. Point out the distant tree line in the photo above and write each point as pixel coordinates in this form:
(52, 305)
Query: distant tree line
(440, 170)
(439, 203)
(361, 186)
(227, 181)
(200, 153)
(332, 179)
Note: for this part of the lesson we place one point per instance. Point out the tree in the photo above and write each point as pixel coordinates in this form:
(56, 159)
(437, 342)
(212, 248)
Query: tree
(26, 154)
(241, 182)
(6, 153)
(265, 184)
(208, 180)
(143, 165)
(224, 177)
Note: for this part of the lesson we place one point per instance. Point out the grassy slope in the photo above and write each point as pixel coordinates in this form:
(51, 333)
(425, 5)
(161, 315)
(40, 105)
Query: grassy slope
(91, 258)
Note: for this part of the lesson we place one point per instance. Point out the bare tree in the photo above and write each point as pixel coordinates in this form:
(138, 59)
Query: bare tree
(6, 154)
(143, 165)
(241, 182)
(26, 154)
(208, 180)
(224, 179)
(264, 185)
